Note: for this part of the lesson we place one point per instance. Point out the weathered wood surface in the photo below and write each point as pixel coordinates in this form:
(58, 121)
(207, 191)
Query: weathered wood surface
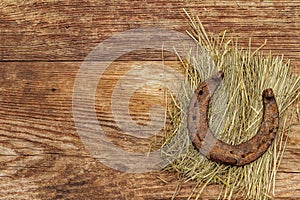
(69, 30)
(42, 45)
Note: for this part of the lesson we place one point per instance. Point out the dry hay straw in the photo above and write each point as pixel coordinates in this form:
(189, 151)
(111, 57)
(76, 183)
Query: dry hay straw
(235, 115)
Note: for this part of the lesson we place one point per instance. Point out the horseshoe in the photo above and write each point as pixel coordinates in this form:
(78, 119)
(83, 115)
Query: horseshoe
(212, 148)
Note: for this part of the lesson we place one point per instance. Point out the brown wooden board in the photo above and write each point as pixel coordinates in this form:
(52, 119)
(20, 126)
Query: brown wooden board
(43, 44)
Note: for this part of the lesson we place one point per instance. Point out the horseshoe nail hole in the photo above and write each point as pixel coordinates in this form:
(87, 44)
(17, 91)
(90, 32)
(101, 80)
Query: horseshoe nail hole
(200, 92)
(243, 156)
(231, 152)
(271, 130)
(53, 89)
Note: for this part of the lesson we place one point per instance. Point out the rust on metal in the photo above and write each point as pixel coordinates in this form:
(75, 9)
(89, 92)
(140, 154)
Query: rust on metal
(207, 144)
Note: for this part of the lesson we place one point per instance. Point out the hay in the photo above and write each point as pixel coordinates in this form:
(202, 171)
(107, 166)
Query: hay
(235, 115)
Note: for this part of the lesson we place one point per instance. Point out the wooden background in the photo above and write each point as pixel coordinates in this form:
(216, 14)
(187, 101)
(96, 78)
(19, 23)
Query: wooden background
(43, 43)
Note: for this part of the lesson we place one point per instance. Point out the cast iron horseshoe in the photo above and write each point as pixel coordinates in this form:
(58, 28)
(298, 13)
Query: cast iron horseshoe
(211, 147)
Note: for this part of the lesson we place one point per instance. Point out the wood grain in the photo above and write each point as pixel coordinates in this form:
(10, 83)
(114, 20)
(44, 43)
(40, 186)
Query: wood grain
(42, 155)
(42, 44)
(65, 30)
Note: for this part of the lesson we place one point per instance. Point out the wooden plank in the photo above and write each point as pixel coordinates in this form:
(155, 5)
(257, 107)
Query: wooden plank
(288, 186)
(291, 156)
(42, 156)
(68, 31)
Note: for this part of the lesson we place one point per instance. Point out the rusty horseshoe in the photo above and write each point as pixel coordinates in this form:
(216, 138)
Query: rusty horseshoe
(212, 148)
